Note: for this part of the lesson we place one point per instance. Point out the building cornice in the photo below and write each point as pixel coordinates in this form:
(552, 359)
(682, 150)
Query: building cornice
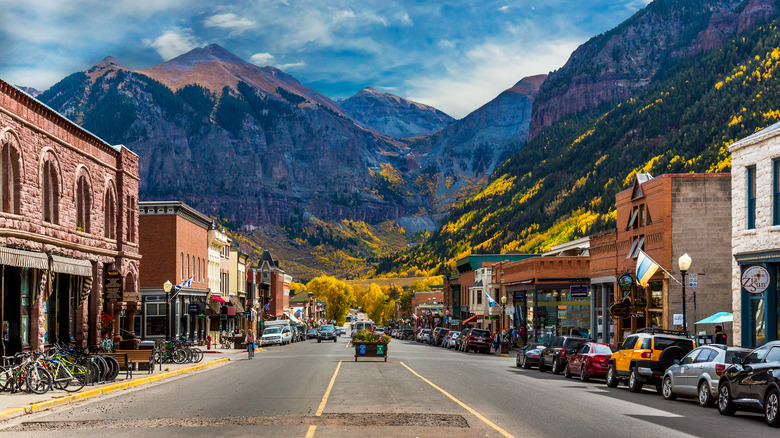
(47, 240)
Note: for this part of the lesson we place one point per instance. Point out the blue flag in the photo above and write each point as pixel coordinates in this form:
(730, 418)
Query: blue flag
(491, 301)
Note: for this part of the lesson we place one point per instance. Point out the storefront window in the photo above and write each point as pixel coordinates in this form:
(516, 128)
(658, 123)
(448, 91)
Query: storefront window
(25, 316)
(758, 321)
(155, 319)
(656, 295)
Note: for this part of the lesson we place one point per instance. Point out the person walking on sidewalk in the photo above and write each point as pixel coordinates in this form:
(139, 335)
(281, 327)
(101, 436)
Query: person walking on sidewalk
(250, 343)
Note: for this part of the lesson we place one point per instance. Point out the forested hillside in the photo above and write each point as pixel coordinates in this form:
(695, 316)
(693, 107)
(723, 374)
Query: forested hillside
(562, 185)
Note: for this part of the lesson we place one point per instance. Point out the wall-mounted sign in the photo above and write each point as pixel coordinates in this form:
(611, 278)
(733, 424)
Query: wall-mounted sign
(677, 319)
(626, 281)
(580, 291)
(693, 279)
(755, 279)
(193, 309)
(637, 315)
(112, 285)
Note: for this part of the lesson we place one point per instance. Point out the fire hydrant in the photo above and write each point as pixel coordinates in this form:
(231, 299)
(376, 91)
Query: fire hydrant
(208, 342)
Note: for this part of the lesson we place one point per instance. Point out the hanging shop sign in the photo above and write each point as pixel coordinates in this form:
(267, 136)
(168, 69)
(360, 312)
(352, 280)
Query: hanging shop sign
(112, 285)
(755, 279)
(625, 282)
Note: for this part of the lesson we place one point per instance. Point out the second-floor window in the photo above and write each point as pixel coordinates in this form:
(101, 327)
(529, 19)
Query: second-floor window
(110, 214)
(751, 197)
(83, 205)
(50, 193)
(10, 179)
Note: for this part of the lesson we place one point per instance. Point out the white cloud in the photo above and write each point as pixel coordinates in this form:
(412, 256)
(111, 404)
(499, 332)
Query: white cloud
(291, 65)
(261, 59)
(404, 19)
(173, 43)
(229, 21)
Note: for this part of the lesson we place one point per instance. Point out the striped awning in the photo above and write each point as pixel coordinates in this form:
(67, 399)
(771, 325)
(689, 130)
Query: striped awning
(66, 265)
(23, 259)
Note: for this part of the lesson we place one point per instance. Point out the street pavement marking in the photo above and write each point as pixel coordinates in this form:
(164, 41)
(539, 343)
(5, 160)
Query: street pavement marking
(463, 405)
(310, 432)
(327, 392)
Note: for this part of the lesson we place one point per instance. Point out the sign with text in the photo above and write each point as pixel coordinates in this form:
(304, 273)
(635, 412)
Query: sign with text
(693, 280)
(755, 279)
(677, 319)
(626, 281)
(362, 349)
(193, 309)
(112, 285)
(248, 314)
(131, 296)
(580, 291)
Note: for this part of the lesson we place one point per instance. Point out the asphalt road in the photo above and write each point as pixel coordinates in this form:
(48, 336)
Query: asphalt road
(282, 391)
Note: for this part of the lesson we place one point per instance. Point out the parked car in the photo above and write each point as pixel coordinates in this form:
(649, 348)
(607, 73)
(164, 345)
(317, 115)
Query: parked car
(423, 335)
(462, 338)
(478, 340)
(697, 374)
(326, 332)
(452, 341)
(590, 360)
(287, 335)
(557, 353)
(529, 355)
(440, 337)
(379, 330)
(311, 334)
(435, 334)
(753, 384)
(446, 339)
(645, 356)
(271, 336)
(341, 331)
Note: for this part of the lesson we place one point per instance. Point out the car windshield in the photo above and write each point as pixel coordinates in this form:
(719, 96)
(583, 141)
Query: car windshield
(477, 332)
(663, 343)
(326, 328)
(601, 349)
(272, 330)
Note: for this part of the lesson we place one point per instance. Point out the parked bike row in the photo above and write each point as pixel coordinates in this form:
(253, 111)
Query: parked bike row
(178, 351)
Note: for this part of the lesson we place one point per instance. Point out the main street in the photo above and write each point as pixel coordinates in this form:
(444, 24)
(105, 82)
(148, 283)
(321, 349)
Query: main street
(317, 389)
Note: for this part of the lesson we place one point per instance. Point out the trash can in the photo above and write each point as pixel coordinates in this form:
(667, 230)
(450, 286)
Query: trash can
(504, 346)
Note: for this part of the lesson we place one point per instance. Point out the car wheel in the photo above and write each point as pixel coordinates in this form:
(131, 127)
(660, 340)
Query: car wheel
(567, 371)
(726, 406)
(334, 340)
(634, 385)
(526, 365)
(542, 368)
(583, 374)
(612, 380)
(771, 405)
(517, 361)
(319, 340)
(666, 389)
(556, 367)
(705, 396)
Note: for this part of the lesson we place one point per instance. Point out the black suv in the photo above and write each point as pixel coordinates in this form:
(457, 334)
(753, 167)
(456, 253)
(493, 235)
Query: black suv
(753, 384)
(557, 352)
(326, 333)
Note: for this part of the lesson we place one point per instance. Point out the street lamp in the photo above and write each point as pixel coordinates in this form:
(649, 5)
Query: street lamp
(167, 288)
(684, 263)
(503, 309)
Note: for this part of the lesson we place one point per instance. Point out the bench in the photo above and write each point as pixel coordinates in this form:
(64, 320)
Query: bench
(127, 358)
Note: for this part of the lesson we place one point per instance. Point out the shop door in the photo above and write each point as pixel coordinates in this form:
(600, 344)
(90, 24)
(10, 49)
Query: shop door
(757, 321)
(12, 305)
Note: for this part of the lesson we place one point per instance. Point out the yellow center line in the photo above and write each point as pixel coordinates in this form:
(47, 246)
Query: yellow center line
(463, 405)
(327, 392)
(310, 432)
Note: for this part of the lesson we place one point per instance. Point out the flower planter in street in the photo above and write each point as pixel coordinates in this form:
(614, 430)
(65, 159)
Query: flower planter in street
(370, 349)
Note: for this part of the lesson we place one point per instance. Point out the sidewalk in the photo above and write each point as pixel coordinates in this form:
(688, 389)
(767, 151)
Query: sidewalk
(14, 405)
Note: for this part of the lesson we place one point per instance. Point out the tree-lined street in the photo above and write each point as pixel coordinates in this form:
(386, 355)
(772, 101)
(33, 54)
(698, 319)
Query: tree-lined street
(282, 392)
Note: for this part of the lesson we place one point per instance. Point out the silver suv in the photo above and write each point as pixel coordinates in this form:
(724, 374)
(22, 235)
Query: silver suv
(697, 374)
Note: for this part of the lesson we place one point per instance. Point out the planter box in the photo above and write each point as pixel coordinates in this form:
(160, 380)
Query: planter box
(370, 349)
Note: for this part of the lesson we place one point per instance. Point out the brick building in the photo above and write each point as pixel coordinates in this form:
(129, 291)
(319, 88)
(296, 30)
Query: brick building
(173, 238)
(755, 264)
(273, 286)
(429, 305)
(69, 216)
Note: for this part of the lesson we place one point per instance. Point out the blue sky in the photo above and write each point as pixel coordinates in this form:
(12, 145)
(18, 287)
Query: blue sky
(454, 55)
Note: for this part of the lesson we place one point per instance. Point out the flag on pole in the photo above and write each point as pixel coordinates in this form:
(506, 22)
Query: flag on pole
(645, 268)
(491, 301)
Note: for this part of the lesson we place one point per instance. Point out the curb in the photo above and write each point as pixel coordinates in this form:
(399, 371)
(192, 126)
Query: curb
(48, 404)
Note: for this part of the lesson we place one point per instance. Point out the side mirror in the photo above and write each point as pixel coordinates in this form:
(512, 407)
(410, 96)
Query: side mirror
(677, 361)
(736, 360)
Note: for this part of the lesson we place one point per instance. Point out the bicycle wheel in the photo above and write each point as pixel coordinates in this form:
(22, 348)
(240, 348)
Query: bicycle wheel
(179, 356)
(61, 376)
(38, 379)
(93, 371)
(198, 354)
(190, 355)
(77, 378)
(114, 367)
(6, 378)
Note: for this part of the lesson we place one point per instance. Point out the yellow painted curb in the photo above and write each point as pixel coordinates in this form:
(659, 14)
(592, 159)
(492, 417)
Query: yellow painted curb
(48, 404)
(504, 355)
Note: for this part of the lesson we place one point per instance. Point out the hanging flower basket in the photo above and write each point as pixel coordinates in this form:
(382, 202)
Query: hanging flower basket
(106, 324)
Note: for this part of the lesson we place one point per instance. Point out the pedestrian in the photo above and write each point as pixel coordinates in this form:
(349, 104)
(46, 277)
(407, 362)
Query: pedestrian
(496, 341)
(250, 343)
(720, 337)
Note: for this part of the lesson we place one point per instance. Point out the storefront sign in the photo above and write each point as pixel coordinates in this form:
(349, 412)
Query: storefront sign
(578, 291)
(112, 285)
(621, 309)
(637, 315)
(755, 279)
(131, 296)
(248, 314)
(193, 309)
(677, 319)
(625, 281)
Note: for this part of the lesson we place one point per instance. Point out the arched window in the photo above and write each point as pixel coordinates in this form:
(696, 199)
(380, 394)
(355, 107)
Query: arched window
(182, 265)
(51, 193)
(188, 266)
(10, 178)
(110, 214)
(83, 205)
(130, 207)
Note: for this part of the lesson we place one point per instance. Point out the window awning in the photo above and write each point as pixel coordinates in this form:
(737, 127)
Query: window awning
(218, 298)
(23, 259)
(470, 320)
(66, 265)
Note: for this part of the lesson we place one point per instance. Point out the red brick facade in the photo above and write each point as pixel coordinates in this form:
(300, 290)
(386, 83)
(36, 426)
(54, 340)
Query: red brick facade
(54, 166)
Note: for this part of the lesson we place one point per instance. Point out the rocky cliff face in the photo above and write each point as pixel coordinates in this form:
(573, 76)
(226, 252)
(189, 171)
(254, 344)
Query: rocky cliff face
(615, 65)
(231, 138)
(468, 150)
(392, 115)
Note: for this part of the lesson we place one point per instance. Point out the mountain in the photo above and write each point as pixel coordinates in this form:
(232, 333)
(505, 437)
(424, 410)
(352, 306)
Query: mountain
(561, 185)
(455, 162)
(392, 115)
(249, 144)
(29, 90)
(615, 65)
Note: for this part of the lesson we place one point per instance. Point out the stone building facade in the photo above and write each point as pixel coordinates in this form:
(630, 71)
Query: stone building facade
(69, 216)
(755, 238)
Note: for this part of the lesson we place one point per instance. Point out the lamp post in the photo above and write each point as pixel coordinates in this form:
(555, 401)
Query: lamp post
(167, 288)
(504, 343)
(684, 263)
(503, 310)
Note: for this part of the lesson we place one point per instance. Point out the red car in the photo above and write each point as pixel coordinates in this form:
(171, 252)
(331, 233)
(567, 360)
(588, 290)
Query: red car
(590, 360)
